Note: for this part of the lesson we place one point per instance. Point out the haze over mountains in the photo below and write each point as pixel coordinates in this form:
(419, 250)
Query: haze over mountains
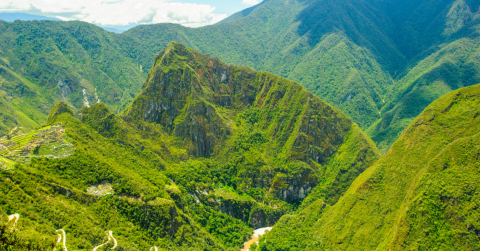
(186, 150)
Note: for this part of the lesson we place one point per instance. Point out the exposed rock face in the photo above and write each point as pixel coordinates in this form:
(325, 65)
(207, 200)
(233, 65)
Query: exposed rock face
(65, 90)
(203, 126)
(296, 188)
(185, 91)
(249, 211)
(260, 219)
(267, 122)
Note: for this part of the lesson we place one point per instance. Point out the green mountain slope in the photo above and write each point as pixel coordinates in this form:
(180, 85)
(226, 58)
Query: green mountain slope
(421, 195)
(71, 61)
(55, 194)
(363, 57)
(205, 153)
(453, 66)
(301, 40)
(22, 102)
(253, 119)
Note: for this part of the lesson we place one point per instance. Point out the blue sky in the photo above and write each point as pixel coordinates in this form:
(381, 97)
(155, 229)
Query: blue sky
(115, 13)
(222, 6)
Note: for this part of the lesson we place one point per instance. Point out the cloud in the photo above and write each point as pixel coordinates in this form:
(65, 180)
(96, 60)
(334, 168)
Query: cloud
(118, 12)
(251, 2)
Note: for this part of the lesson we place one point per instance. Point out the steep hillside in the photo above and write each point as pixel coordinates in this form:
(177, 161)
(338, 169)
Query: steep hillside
(301, 40)
(21, 101)
(76, 62)
(64, 193)
(253, 121)
(421, 195)
(353, 54)
(453, 66)
(362, 56)
(204, 154)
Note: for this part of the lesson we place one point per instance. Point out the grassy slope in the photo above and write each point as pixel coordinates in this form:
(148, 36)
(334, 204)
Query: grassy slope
(39, 193)
(417, 196)
(23, 104)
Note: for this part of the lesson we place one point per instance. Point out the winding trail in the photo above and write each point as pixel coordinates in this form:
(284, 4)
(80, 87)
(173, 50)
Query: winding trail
(64, 238)
(110, 238)
(14, 218)
(154, 248)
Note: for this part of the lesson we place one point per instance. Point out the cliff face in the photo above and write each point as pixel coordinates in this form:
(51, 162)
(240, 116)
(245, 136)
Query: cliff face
(196, 98)
(281, 138)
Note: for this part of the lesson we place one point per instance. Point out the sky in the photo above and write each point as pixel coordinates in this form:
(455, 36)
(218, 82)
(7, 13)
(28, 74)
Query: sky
(114, 13)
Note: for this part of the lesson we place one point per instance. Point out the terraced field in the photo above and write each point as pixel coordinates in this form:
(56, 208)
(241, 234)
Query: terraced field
(46, 142)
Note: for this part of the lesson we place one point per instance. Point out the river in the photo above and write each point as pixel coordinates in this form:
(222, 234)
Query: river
(256, 235)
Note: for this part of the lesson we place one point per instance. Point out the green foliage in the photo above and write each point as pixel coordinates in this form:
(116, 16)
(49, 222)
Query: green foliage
(281, 134)
(11, 238)
(170, 189)
(381, 63)
(420, 196)
(451, 67)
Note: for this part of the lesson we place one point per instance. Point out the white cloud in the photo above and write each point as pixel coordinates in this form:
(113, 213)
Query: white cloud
(118, 12)
(251, 2)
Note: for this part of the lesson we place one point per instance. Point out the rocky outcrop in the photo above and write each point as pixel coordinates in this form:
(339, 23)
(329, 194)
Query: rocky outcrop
(266, 122)
(296, 187)
(255, 214)
(64, 88)
(203, 126)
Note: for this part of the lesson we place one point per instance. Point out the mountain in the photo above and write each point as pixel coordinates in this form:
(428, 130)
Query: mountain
(206, 152)
(452, 66)
(374, 60)
(421, 195)
(71, 61)
(380, 62)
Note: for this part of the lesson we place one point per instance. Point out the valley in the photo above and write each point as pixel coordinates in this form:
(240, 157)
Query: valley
(334, 125)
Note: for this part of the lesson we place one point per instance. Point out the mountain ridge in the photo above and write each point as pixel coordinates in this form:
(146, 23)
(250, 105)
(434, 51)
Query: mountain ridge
(352, 59)
(167, 176)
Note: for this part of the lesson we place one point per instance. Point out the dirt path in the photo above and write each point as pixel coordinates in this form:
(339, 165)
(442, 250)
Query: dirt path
(254, 239)
(153, 248)
(64, 238)
(110, 238)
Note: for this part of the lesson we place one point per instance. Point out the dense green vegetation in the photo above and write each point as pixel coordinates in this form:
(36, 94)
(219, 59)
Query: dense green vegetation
(453, 66)
(42, 62)
(205, 153)
(381, 63)
(422, 195)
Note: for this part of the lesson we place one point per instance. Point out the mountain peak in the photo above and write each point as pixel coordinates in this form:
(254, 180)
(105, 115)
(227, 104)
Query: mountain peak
(60, 108)
(219, 111)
